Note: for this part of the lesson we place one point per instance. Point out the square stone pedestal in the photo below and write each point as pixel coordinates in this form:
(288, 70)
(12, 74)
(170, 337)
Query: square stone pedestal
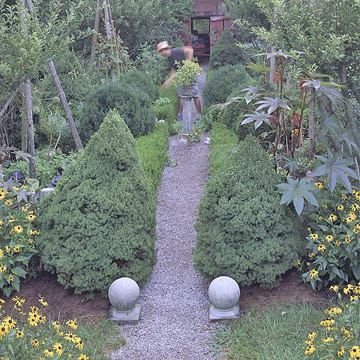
(218, 314)
(125, 317)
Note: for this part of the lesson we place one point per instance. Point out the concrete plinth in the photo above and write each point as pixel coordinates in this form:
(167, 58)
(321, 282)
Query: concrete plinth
(186, 116)
(123, 295)
(224, 294)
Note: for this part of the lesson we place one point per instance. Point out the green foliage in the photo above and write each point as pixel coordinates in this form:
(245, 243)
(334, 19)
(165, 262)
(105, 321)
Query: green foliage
(31, 335)
(339, 331)
(168, 113)
(153, 154)
(242, 230)
(153, 20)
(142, 81)
(47, 162)
(178, 43)
(133, 104)
(100, 224)
(268, 333)
(226, 52)
(333, 243)
(222, 83)
(17, 231)
(223, 142)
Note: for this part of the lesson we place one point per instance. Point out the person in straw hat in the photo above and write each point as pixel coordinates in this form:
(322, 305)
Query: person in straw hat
(179, 54)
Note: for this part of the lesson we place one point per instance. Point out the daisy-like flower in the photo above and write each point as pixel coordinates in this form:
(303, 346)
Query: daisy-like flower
(2, 268)
(313, 274)
(311, 255)
(18, 229)
(31, 217)
(83, 357)
(341, 351)
(1, 253)
(35, 343)
(48, 353)
(9, 322)
(340, 207)
(344, 197)
(338, 243)
(310, 349)
(8, 203)
(348, 288)
(332, 217)
(321, 248)
(314, 237)
(55, 325)
(43, 302)
(327, 339)
(79, 343)
(347, 239)
(16, 249)
(329, 238)
(325, 205)
(58, 348)
(24, 209)
(72, 324)
(69, 336)
(10, 277)
(319, 185)
(20, 334)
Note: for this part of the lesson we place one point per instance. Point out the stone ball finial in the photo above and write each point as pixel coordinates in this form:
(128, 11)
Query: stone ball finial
(224, 294)
(123, 295)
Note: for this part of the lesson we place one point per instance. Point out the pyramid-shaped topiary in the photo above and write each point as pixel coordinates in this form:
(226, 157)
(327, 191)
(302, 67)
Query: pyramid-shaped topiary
(226, 52)
(243, 232)
(100, 223)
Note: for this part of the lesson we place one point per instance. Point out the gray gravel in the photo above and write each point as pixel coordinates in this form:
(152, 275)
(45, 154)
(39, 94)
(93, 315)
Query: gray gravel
(174, 321)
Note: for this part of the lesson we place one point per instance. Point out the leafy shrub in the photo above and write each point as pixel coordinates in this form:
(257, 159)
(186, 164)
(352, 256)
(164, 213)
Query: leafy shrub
(222, 144)
(222, 83)
(30, 335)
(333, 242)
(243, 232)
(142, 81)
(339, 333)
(153, 154)
(131, 103)
(167, 112)
(226, 52)
(100, 224)
(17, 231)
(47, 163)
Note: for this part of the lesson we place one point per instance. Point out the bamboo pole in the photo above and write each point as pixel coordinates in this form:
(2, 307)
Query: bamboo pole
(66, 106)
(29, 115)
(95, 36)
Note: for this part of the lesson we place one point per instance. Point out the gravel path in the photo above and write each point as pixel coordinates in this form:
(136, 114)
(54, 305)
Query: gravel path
(174, 321)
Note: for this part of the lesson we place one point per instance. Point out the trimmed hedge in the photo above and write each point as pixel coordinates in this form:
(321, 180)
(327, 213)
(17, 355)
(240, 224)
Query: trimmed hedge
(133, 105)
(243, 232)
(223, 142)
(100, 223)
(142, 81)
(222, 83)
(225, 52)
(153, 154)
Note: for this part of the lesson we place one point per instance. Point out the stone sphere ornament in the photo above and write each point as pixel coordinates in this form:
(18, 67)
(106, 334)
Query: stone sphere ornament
(224, 294)
(123, 295)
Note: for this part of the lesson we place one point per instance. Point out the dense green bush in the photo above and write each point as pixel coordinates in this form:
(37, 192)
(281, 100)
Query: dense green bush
(132, 104)
(243, 232)
(222, 83)
(153, 154)
(223, 142)
(142, 81)
(167, 112)
(100, 223)
(226, 52)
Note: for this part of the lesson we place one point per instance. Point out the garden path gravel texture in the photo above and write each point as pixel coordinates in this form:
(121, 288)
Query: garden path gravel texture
(174, 323)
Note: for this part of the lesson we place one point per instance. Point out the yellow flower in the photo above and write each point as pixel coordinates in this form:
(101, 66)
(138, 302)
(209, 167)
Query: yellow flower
(31, 217)
(2, 268)
(72, 324)
(55, 325)
(340, 207)
(18, 229)
(69, 336)
(48, 353)
(344, 197)
(338, 243)
(355, 350)
(11, 277)
(1, 253)
(24, 209)
(321, 248)
(8, 203)
(320, 218)
(341, 351)
(16, 249)
(20, 334)
(353, 298)
(325, 205)
(347, 239)
(58, 348)
(310, 349)
(43, 302)
(298, 263)
(327, 339)
(332, 217)
(311, 255)
(79, 344)
(335, 311)
(314, 237)
(319, 185)
(83, 357)
(7, 248)
(348, 288)
(329, 238)
(9, 322)
(313, 274)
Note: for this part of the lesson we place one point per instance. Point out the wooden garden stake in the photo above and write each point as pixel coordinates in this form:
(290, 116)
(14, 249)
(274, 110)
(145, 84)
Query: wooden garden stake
(95, 36)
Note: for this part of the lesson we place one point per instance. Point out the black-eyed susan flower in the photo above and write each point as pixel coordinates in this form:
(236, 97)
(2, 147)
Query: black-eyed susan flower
(18, 229)
(335, 310)
(313, 274)
(16, 249)
(324, 205)
(48, 353)
(2, 268)
(319, 185)
(320, 218)
(338, 243)
(20, 334)
(79, 343)
(327, 339)
(334, 288)
(35, 343)
(355, 350)
(58, 348)
(55, 325)
(1, 253)
(3, 330)
(329, 238)
(314, 237)
(348, 288)
(298, 263)
(321, 248)
(332, 217)
(8, 203)
(310, 349)
(43, 302)
(341, 351)
(311, 255)
(31, 217)
(347, 239)
(83, 357)
(69, 336)
(340, 207)
(72, 324)
(10, 277)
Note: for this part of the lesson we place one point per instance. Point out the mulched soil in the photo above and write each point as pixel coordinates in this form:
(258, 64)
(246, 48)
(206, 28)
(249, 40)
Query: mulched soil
(68, 305)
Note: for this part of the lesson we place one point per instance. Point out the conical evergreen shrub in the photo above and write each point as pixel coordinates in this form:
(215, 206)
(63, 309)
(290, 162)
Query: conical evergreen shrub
(243, 231)
(100, 223)
(225, 52)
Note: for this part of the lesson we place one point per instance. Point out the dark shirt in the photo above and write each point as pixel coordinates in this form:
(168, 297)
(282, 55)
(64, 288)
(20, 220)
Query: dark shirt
(177, 54)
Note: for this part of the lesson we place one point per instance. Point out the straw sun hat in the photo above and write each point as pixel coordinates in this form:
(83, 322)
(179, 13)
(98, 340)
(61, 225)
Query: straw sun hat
(162, 45)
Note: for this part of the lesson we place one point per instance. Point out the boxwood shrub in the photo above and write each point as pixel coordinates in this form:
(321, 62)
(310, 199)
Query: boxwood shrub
(243, 232)
(222, 83)
(100, 223)
(133, 104)
(153, 154)
(226, 52)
